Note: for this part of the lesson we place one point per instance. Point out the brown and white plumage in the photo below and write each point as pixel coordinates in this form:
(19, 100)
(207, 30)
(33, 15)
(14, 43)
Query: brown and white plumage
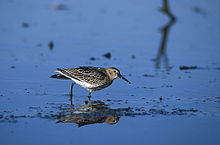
(90, 78)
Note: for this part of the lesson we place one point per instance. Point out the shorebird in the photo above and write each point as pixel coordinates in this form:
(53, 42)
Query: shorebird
(90, 78)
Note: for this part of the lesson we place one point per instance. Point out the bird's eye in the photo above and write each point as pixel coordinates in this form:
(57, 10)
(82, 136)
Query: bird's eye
(115, 71)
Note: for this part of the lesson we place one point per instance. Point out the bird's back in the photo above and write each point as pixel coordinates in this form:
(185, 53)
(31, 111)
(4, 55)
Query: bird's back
(94, 78)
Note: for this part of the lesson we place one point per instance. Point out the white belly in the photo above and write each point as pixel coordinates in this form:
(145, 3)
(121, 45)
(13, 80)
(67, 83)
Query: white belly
(83, 84)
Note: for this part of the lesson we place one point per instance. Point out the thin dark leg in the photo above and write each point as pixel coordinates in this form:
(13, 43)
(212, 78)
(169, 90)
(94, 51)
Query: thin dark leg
(71, 99)
(71, 93)
(89, 95)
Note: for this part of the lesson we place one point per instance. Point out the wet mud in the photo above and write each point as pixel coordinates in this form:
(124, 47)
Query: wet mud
(91, 112)
(169, 50)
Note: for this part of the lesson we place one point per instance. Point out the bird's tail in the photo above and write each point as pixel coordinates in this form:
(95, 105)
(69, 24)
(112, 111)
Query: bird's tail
(59, 76)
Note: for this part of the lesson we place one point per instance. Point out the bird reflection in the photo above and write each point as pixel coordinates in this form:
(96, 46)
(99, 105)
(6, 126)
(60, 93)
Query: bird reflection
(165, 31)
(90, 113)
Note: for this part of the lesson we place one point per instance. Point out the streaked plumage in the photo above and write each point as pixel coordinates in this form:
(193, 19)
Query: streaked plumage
(90, 78)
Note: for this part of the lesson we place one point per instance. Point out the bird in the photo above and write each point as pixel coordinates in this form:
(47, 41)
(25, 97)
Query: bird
(90, 78)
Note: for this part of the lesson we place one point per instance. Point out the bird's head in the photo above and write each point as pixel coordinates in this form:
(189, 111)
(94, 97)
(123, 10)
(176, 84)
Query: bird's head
(115, 73)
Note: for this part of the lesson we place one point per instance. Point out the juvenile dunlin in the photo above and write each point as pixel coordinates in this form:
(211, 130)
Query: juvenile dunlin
(90, 78)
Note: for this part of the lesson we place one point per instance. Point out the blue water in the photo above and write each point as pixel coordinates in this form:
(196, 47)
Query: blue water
(132, 32)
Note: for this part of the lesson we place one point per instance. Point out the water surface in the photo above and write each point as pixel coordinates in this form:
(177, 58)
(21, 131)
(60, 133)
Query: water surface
(172, 60)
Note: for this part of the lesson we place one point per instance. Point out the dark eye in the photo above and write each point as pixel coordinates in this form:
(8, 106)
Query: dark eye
(115, 71)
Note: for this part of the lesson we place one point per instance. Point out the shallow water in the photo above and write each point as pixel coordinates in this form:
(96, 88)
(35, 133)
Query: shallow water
(174, 67)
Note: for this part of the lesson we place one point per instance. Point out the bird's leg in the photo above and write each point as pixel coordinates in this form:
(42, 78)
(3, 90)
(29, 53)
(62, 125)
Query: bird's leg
(89, 95)
(72, 88)
(71, 93)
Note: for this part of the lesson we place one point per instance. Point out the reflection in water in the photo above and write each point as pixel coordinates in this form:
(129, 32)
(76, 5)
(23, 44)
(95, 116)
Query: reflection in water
(165, 31)
(91, 113)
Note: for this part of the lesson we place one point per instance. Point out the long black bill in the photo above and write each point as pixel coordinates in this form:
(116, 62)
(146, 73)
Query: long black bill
(120, 76)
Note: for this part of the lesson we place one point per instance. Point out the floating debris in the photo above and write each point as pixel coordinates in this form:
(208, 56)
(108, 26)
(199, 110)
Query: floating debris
(58, 6)
(25, 25)
(51, 45)
(92, 58)
(160, 98)
(13, 67)
(199, 11)
(147, 75)
(107, 55)
(187, 67)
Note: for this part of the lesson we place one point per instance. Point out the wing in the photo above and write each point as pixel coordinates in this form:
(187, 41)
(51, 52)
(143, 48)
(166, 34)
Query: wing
(59, 76)
(85, 74)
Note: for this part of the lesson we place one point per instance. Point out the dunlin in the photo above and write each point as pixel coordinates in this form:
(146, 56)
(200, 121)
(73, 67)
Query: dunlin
(90, 78)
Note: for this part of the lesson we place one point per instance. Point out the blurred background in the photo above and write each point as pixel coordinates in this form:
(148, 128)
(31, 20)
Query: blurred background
(169, 50)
